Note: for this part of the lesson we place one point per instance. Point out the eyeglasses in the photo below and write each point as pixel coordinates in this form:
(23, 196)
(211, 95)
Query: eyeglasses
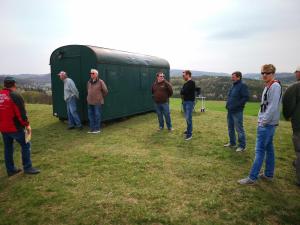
(266, 73)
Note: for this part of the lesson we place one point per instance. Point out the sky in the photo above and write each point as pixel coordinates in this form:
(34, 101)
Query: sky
(206, 35)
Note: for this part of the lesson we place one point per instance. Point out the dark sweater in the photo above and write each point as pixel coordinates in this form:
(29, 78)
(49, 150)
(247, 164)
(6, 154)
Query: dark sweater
(162, 91)
(291, 105)
(188, 91)
(238, 95)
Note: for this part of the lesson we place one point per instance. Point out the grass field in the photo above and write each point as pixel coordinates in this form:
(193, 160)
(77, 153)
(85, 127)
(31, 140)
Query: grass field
(133, 174)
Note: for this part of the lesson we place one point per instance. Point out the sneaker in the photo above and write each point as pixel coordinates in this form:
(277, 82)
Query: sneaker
(14, 172)
(240, 149)
(264, 177)
(185, 132)
(160, 129)
(246, 181)
(32, 170)
(96, 131)
(170, 129)
(70, 128)
(229, 145)
(90, 132)
(188, 137)
(80, 127)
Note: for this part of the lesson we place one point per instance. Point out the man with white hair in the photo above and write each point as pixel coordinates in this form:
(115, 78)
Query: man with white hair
(97, 90)
(70, 96)
(291, 110)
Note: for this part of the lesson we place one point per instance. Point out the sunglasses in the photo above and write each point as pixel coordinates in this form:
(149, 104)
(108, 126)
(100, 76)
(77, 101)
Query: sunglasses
(265, 73)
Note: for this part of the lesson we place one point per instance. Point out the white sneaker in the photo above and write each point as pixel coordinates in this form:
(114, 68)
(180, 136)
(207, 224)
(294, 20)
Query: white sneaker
(239, 149)
(96, 131)
(229, 145)
(90, 132)
(246, 181)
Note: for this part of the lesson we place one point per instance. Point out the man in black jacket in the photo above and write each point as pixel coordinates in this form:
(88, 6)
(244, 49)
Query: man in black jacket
(188, 95)
(291, 110)
(238, 95)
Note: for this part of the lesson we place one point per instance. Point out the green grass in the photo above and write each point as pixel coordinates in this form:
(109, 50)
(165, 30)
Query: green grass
(132, 174)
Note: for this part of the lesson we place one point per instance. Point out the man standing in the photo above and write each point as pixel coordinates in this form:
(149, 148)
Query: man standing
(291, 110)
(13, 125)
(162, 91)
(188, 95)
(97, 90)
(71, 95)
(237, 97)
(268, 119)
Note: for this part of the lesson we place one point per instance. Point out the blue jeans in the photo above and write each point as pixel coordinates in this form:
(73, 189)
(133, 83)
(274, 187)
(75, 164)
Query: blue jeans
(163, 110)
(264, 147)
(94, 114)
(8, 139)
(188, 107)
(235, 123)
(73, 118)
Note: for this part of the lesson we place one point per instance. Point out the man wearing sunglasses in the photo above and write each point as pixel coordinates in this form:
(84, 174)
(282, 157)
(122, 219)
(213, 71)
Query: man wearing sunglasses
(268, 119)
(291, 110)
(162, 91)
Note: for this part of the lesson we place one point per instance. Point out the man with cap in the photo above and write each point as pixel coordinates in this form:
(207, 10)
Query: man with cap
(97, 90)
(291, 110)
(13, 125)
(70, 96)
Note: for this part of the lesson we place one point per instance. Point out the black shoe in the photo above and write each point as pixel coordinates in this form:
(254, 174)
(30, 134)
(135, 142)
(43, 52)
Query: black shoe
(80, 128)
(14, 172)
(294, 163)
(70, 128)
(32, 170)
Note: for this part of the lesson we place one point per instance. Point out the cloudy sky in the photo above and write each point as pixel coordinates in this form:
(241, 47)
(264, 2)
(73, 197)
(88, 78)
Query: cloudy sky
(207, 35)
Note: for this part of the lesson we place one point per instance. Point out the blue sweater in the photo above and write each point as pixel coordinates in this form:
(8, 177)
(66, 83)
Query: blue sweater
(238, 95)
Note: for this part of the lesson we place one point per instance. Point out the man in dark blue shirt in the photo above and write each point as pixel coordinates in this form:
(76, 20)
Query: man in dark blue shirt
(238, 95)
(188, 96)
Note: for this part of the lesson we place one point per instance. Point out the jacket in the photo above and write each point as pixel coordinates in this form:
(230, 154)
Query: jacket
(291, 106)
(269, 113)
(187, 91)
(13, 115)
(238, 95)
(97, 90)
(162, 91)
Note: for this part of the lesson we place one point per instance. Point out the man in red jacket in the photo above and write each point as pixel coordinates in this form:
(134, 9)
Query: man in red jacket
(13, 125)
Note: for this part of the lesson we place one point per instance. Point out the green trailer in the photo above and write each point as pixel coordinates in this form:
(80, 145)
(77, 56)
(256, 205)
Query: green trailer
(128, 76)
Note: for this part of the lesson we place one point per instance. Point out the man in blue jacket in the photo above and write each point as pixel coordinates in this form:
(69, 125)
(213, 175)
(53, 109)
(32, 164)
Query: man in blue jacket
(238, 95)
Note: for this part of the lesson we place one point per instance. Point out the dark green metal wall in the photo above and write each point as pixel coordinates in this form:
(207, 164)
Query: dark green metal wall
(128, 76)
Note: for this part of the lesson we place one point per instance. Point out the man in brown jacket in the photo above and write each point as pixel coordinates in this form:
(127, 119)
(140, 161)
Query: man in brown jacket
(97, 90)
(162, 91)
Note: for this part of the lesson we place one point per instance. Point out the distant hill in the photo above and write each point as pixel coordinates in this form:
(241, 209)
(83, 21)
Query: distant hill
(285, 78)
(31, 81)
(178, 73)
(214, 85)
(216, 88)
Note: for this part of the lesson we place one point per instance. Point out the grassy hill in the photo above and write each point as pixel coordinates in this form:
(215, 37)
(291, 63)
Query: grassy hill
(133, 174)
